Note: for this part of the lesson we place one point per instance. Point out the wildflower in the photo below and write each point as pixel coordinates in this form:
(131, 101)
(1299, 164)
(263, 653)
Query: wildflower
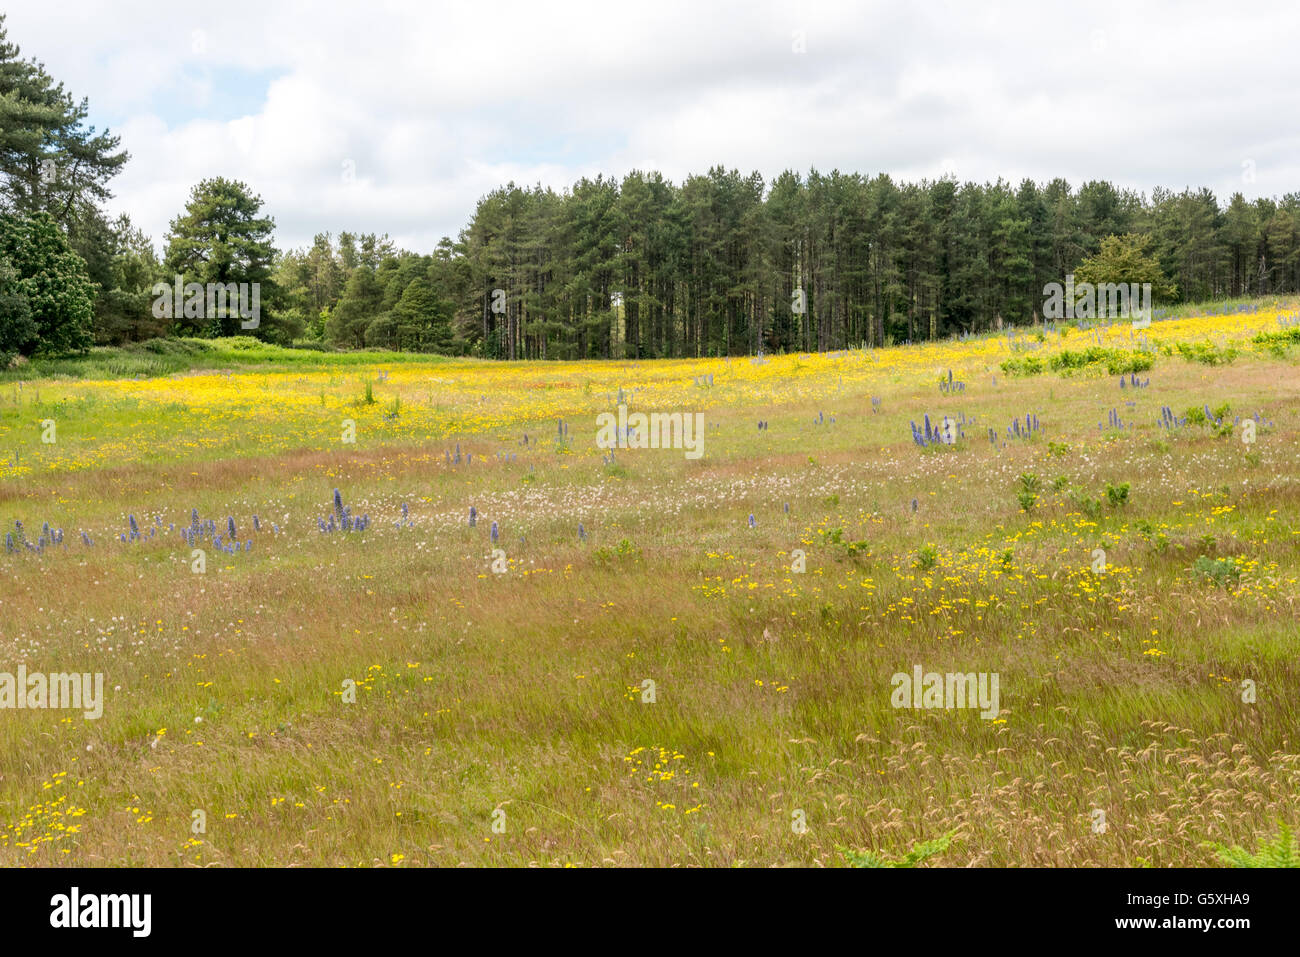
(494, 532)
(473, 516)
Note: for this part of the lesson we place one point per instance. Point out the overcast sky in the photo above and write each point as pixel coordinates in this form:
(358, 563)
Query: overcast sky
(397, 117)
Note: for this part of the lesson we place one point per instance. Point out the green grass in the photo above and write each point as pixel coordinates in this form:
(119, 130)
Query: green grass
(161, 357)
(525, 692)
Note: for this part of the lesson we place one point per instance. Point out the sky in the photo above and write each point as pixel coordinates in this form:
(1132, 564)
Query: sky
(398, 117)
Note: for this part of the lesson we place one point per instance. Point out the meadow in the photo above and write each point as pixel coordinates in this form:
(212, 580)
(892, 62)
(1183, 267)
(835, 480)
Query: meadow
(674, 662)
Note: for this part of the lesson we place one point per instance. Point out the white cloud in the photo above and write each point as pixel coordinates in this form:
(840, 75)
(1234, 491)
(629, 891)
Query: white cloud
(435, 104)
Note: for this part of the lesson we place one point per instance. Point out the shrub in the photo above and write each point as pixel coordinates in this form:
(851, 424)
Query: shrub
(1117, 361)
(1217, 419)
(48, 294)
(1090, 506)
(1117, 495)
(836, 538)
(1024, 366)
(919, 853)
(1281, 851)
(1277, 341)
(1222, 571)
(1206, 353)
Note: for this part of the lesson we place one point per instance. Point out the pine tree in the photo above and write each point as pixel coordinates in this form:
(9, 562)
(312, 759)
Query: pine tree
(221, 238)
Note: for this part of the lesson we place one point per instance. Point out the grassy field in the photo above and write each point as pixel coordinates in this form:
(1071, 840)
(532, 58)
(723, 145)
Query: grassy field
(701, 674)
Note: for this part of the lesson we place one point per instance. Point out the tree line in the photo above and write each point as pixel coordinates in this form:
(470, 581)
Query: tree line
(721, 264)
(726, 264)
